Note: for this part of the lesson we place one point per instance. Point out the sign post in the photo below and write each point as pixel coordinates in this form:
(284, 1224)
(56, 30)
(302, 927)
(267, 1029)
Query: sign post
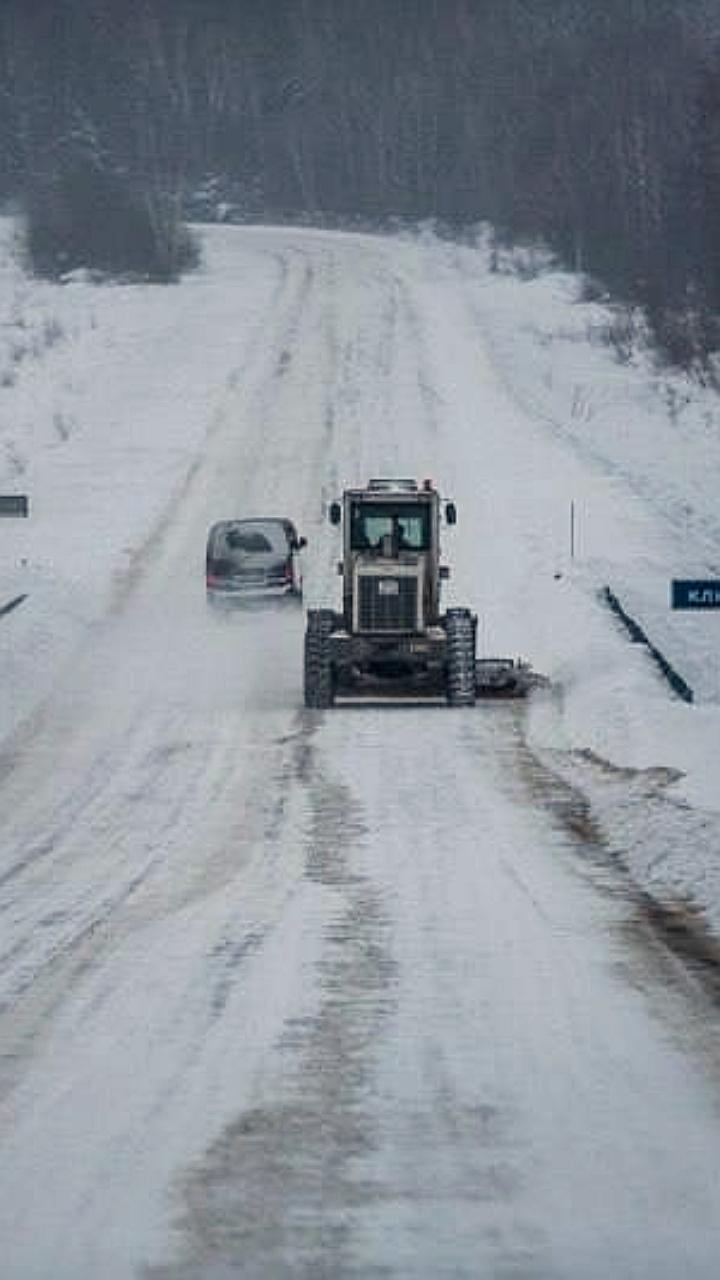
(13, 504)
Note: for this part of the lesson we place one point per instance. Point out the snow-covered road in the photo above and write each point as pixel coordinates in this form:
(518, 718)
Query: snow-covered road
(344, 994)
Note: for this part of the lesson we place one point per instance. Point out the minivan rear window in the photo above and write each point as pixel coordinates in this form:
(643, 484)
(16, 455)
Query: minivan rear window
(241, 538)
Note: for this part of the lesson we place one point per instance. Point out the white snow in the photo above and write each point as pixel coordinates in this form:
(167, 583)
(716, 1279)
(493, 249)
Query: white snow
(107, 393)
(190, 851)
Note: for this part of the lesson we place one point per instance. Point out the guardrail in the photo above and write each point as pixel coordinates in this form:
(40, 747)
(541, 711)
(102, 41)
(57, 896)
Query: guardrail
(12, 604)
(638, 636)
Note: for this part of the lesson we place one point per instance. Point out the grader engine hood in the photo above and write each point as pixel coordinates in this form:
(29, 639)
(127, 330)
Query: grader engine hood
(387, 596)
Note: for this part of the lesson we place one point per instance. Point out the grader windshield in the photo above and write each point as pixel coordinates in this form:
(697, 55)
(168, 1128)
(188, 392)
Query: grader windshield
(401, 527)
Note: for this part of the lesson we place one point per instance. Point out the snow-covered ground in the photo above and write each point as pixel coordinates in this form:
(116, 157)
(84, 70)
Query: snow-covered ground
(106, 393)
(363, 993)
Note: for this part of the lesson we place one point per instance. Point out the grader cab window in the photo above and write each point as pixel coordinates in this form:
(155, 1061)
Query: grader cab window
(375, 526)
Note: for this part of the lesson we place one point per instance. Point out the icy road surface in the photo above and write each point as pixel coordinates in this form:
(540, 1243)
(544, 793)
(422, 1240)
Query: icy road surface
(352, 994)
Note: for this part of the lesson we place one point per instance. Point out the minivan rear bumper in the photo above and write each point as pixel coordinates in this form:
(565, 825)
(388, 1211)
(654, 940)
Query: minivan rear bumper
(236, 592)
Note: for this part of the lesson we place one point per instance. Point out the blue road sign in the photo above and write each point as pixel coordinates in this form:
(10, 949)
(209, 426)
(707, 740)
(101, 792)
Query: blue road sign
(696, 593)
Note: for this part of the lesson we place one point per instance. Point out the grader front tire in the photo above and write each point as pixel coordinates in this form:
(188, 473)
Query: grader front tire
(319, 678)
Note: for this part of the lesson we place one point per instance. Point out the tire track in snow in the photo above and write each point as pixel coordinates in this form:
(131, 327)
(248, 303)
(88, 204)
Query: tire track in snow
(192, 974)
(273, 1194)
(254, 383)
(612, 810)
(51, 945)
(89, 876)
(284, 1189)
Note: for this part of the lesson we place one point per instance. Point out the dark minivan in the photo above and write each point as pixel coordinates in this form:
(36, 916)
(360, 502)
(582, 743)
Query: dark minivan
(253, 559)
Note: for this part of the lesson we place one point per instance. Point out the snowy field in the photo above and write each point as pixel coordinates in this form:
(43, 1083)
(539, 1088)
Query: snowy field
(364, 993)
(107, 394)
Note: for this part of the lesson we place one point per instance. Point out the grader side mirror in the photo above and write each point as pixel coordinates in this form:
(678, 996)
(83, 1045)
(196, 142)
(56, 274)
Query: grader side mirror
(451, 513)
(335, 513)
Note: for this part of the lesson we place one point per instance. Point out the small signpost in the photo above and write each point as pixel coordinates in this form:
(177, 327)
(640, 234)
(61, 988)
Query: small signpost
(13, 504)
(695, 593)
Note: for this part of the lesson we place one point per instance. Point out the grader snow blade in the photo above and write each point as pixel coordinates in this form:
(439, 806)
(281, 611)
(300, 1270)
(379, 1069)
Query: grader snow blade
(506, 678)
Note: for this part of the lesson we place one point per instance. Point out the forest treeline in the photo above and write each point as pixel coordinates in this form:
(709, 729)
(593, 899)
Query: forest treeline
(592, 126)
